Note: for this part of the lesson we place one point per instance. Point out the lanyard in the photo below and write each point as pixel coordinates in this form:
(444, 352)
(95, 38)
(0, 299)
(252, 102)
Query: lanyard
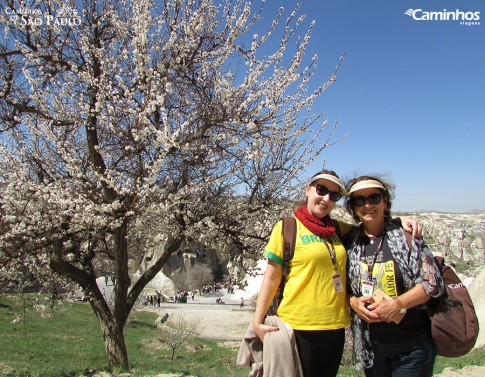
(370, 266)
(333, 254)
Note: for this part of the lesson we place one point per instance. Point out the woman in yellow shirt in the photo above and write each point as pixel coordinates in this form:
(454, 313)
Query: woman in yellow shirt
(314, 300)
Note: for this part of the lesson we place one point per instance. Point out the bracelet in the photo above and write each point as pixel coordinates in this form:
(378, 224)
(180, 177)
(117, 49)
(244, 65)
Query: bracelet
(400, 305)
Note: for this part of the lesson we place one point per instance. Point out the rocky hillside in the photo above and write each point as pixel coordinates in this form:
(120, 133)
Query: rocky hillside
(456, 236)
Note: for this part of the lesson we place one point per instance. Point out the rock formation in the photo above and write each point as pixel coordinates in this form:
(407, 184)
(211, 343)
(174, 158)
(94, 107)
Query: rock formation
(457, 237)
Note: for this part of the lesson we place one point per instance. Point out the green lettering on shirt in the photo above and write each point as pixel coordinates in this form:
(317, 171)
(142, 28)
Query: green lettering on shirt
(305, 240)
(310, 238)
(315, 238)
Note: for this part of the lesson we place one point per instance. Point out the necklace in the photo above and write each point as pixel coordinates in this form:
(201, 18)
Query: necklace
(374, 231)
(373, 238)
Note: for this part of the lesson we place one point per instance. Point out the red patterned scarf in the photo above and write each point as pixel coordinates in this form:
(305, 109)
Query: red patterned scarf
(323, 228)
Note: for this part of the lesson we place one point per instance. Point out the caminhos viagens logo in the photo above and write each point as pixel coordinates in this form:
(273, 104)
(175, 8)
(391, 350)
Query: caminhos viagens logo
(466, 18)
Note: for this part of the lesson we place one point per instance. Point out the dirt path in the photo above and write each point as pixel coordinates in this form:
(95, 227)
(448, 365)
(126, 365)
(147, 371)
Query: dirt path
(471, 371)
(223, 324)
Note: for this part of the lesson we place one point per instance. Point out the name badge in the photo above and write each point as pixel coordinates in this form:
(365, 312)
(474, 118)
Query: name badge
(337, 283)
(367, 288)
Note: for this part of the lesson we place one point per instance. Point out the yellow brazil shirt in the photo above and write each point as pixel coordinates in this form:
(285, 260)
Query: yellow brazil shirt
(310, 301)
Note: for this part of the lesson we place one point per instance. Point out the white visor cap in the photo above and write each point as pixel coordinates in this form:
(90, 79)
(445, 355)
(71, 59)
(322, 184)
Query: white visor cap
(331, 178)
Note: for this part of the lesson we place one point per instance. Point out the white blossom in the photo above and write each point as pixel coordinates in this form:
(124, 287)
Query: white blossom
(173, 121)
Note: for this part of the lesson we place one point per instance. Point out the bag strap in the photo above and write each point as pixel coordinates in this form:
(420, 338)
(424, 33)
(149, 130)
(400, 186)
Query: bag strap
(440, 261)
(289, 240)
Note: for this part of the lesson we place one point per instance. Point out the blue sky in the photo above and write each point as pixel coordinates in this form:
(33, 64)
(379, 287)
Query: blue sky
(411, 95)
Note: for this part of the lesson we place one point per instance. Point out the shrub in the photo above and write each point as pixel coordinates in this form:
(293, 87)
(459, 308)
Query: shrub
(177, 330)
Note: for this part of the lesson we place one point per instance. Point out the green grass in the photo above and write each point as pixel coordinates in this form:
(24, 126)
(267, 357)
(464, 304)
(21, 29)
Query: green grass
(69, 344)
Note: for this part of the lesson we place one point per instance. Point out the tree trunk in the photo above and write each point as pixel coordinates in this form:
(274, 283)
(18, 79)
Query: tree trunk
(112, 316)
(112, 323)
(114, 343)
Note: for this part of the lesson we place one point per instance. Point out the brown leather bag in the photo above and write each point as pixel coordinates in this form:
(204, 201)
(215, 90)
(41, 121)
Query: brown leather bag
(454, 322)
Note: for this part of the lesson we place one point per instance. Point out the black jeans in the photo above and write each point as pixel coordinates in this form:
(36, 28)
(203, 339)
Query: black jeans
(409, 358)
(320, 351)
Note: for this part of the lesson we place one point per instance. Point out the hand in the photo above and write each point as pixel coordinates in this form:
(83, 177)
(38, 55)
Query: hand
(388, 310)
(261, 329)
(361, 308)
(412, 226)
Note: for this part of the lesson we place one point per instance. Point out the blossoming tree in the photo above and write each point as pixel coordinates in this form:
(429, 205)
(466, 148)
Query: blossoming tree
(125, 116)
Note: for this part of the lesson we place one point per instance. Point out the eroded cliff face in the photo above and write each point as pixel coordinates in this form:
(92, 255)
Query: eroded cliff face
(182, 261)
(457, 237)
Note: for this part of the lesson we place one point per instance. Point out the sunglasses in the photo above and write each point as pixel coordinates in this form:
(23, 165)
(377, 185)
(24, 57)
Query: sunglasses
(322, 191)
(374, 198)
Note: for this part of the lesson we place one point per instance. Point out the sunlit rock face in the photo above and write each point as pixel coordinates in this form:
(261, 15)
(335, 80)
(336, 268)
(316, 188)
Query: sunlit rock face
(457, 237)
